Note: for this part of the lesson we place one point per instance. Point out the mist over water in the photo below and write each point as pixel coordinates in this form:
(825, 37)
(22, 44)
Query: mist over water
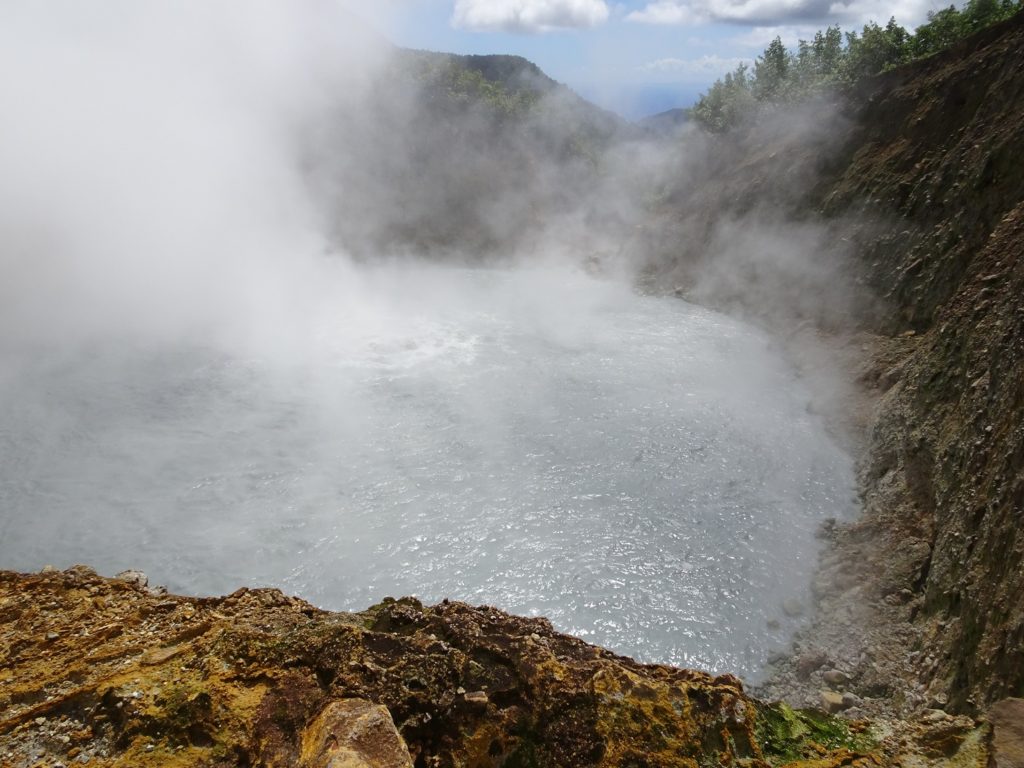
(197, 380)
(641, 471)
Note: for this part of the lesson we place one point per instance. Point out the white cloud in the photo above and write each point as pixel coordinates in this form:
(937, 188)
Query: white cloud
(770, 13)
(663, 12)
(528, 16)
(701, 68)
(909, 13)
(748, 11)
(757, 38)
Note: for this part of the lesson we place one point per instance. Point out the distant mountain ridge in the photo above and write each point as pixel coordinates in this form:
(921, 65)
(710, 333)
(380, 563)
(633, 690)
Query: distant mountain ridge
(667, 122)
(466, 155)
(501, 68)
(515, 76)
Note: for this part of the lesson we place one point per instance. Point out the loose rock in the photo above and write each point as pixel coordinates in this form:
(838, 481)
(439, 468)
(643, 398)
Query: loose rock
(138, 578)
(1007, 718)
(354, 733)
(832, 702)
(810, 662)
(833, 677)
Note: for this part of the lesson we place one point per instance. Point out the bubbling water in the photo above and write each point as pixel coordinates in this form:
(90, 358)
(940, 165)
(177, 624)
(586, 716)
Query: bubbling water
(643, 472)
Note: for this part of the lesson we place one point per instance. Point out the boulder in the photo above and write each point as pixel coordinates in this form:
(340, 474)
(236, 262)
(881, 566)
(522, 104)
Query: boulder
(1007, 718)
(354, 733)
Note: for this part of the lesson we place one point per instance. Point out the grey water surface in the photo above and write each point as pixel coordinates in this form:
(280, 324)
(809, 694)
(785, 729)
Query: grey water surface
(643, 472)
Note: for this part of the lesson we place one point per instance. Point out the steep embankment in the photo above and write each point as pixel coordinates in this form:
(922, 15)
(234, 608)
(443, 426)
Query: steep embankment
(915, 188)
(922, 183)
(938, 154)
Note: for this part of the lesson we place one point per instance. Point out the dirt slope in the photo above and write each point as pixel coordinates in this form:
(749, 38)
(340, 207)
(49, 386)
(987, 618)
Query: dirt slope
(918, 183)
(938, 151)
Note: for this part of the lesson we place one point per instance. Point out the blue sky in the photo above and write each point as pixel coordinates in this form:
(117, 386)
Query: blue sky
(637, 57)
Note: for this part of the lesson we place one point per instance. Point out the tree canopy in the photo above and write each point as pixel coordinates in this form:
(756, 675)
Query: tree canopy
(836, 61)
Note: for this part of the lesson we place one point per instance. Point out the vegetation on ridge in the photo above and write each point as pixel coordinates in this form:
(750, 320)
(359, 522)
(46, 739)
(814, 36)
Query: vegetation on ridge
(835, 60)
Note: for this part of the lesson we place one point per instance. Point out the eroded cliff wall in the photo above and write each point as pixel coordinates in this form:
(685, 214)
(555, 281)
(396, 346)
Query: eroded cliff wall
(915, 188)
(940, 147)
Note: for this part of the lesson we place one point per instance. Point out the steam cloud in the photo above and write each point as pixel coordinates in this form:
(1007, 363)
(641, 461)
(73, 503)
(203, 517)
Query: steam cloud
(177, 175)
(529, 16)
(151, 180)
(173, 169)
(776, 15)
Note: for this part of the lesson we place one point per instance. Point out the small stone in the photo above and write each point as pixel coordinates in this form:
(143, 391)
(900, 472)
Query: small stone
(138, 578)
(792, 608)
(356, 734)
(851, 700)
(809, 662)
(833, 677)
(48, 569)
(479, 698)
(773, 624)
(832, 702)
(80, 572)
(1007, 717)
(460, 690)
(51, 636)
(934, 716)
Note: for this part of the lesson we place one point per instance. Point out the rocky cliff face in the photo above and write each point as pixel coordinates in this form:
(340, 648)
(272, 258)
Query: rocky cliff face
(107, 672)
(918, 185)
(938, 153)
(922, 180)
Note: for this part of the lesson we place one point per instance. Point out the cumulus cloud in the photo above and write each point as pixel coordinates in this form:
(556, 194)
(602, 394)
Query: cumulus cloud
(756, 38)
(528, 16)
(780, 12)
(664, 12)
(686, 68)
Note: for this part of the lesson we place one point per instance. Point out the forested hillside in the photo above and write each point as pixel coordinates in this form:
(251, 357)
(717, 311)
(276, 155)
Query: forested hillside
(905, 201)
(834, 62)
(462, 155)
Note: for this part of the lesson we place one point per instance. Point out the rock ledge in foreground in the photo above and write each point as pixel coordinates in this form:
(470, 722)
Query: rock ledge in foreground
(109, 673)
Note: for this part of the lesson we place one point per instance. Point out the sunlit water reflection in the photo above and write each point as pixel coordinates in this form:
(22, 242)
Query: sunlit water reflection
(643, 472)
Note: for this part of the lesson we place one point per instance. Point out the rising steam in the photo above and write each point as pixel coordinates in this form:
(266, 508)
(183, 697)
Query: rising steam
(217, 328)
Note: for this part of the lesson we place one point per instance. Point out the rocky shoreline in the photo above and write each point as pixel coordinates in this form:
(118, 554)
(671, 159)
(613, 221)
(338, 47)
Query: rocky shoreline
(853, 657)
(919, 600)
(915, 655)
(109, 672)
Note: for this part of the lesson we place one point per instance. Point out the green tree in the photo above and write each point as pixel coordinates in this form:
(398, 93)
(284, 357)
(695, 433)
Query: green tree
(825, 62)
(818, 62)
(772, 73)
(727, 103)
(875, 50)
(943, 28)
